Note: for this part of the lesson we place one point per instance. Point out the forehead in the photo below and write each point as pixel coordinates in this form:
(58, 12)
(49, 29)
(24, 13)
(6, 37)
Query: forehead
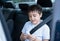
(33, 12)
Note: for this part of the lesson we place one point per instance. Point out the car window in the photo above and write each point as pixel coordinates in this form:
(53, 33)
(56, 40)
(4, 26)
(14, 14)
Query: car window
(2, 34)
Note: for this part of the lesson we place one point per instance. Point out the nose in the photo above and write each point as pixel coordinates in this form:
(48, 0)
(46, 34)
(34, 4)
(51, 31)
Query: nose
(32, 18)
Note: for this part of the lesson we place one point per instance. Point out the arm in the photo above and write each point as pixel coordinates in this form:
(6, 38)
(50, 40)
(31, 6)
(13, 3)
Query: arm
(33, 38)
(23, 37)
(40, 40)
(37, 39)
(46, 40)
(46, 34)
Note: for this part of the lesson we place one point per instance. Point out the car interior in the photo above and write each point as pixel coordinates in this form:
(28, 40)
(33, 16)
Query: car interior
(14, 13)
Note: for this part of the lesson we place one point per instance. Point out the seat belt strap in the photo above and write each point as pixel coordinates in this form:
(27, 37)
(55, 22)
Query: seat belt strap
(41, 24)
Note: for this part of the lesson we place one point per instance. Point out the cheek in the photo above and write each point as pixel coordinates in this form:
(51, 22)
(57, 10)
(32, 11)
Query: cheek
(38, 18)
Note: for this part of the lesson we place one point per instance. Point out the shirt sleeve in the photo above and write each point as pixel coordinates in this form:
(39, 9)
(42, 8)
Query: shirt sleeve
(46, 32)
(24, 28)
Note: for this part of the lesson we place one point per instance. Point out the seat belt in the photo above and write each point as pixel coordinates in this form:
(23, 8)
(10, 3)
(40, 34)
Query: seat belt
(41, 24)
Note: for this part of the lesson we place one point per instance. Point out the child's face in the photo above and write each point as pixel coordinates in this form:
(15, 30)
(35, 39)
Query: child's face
(34, 17)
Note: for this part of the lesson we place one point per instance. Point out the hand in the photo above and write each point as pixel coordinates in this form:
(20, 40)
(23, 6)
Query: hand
(31, 37)
(23, 36)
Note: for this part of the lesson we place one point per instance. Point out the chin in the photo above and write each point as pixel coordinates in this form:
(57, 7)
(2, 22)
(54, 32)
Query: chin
(34, 23)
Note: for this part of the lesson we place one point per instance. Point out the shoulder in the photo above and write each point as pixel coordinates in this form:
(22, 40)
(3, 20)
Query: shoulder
(45, 27)
(25, 26)
(28, 23)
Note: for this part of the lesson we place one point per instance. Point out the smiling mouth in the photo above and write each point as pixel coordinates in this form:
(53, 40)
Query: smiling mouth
(33, 21)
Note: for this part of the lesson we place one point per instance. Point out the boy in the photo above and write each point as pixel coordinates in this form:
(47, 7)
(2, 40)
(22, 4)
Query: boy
(42, 34)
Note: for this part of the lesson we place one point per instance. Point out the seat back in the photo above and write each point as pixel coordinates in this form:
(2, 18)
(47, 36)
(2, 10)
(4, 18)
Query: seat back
(10, 24)
(45, 3)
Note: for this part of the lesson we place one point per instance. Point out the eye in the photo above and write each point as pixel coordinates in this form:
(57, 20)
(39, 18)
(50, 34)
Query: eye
(34, 15)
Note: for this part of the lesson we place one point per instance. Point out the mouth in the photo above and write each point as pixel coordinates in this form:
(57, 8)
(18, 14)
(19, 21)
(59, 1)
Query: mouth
(34, 22)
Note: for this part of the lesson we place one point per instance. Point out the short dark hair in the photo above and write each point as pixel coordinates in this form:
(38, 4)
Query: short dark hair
(35, 7)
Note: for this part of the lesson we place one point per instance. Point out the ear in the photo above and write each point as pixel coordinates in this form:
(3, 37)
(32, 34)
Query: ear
(40, 15)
